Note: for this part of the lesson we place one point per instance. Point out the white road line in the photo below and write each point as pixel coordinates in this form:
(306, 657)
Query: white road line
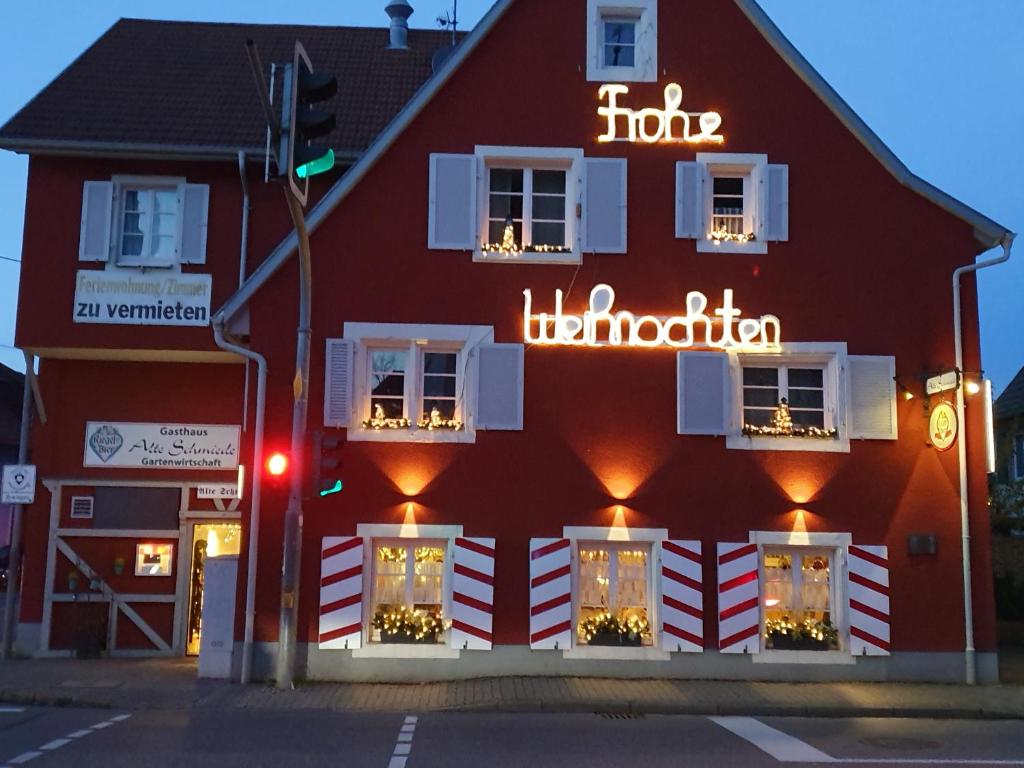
(119, 718)
(100, 726)
(404, 744)
(78, 734)
(781, 746)
(397, 762)
(55, 744)
(403, 749)
(11, 710)
(924, 761)
(24, 758)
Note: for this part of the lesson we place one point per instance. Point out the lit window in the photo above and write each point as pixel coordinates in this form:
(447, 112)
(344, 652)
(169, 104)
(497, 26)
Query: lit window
(149, 226)
(613, 595)
(153, 559)
(802, 390)
(730, 213)
(408, 590)
(619, 42)
(440, 385)
(387, 384)
(526, 210)
(798, 600)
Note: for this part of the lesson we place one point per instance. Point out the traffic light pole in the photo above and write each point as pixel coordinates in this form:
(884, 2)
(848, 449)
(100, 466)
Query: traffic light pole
(292, 554)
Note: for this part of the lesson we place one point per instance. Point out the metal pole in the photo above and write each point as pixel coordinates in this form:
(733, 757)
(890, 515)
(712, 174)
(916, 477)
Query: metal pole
(292, 554)
(14, 560)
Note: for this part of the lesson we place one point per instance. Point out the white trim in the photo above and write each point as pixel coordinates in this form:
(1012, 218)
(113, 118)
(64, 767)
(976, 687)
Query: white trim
(369, 531)
(800, 539)
(113, 533)
(56, 492)
(613, 533)
(645, 56)
(406, 651)
(145, 183)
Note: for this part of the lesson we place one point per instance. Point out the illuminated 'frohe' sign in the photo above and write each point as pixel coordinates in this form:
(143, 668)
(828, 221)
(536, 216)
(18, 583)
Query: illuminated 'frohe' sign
(652, 125)
(599, 326)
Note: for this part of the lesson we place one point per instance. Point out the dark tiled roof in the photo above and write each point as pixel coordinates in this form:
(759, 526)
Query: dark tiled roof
(1011, 401)
(189, 84)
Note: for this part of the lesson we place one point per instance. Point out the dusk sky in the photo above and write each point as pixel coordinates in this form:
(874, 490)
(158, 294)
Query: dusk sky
(940, 81)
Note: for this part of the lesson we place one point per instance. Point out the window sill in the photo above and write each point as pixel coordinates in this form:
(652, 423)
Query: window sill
(612, 653)
(709, 246)
(809, 444)
(402, 651)
(803, 657)
(572, 257)
(360, 434)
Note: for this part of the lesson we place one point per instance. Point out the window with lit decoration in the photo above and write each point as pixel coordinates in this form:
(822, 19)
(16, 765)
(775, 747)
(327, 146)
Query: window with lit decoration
(785, 401)
(613, 595)
(408, 592)
(387, 387)
(526, 212)
(798, 599)
(417, 387)
(731, 215)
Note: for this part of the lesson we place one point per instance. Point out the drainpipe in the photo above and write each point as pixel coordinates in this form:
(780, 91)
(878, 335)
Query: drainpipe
(257, 454)
(971, 673)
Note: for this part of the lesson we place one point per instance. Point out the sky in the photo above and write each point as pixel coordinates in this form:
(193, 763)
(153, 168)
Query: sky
(940, 81)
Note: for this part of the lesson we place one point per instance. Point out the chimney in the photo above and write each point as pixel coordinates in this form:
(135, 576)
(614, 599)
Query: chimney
(399, 11)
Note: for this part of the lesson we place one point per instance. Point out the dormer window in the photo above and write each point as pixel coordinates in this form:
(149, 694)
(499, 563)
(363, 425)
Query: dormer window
(622, 41)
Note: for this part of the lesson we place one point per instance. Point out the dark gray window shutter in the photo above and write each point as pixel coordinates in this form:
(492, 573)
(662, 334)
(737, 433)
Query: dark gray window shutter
(777, 219)
(500, 386)
(194, 217)
(704, 393)
(453, 183)
(872, 397)
(690, 201)
(97, 221)
(604, 205)
(338, 383)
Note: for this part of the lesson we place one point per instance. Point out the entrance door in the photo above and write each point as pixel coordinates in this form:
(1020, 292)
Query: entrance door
(208, 540)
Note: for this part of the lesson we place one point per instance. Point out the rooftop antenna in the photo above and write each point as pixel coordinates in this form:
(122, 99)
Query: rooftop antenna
(450, 20)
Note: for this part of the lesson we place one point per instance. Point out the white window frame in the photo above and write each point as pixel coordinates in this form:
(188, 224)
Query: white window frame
(831, 357)
(645, 59)
(622, 537)
(417, 339)
(371, 533)
(123, 184)
(565, 159)
(796, 542)
(783, 388)
(752, 168)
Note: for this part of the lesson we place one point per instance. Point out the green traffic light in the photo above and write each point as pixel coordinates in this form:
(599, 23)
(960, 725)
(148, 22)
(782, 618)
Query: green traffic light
(336, 488)
(314, 167)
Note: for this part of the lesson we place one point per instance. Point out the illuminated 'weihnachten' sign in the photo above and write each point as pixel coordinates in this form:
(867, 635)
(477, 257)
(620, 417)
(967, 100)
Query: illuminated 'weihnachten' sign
(653, 125)
(599, 326)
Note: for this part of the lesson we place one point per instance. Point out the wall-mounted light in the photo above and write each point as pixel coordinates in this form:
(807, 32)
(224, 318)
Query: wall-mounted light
(972, 387)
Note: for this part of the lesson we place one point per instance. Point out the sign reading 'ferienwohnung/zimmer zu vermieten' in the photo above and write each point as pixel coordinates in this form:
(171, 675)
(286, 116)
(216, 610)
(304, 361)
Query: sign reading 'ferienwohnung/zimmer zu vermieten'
(161, 446)
(130, 297)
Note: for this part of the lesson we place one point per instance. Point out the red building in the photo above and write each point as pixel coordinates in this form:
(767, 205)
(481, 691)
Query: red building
(620, 342)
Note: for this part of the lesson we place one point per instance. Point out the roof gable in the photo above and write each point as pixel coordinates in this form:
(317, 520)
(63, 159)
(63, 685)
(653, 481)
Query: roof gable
(1011, 401)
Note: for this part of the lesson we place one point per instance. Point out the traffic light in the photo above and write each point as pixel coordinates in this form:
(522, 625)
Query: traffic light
(298, 159)
(277, 467)
(325, 464)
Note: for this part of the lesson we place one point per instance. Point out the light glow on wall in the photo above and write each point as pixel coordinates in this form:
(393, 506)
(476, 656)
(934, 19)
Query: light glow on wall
(695, 329)
(653, 125)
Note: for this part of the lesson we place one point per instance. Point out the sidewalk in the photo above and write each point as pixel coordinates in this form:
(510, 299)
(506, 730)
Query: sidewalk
(171, 684)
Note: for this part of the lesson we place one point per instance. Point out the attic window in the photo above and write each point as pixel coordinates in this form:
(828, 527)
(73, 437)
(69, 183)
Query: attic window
(619, 42)
(622, 41)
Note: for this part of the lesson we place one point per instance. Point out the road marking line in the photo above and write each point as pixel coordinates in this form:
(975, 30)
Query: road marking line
(404, 744)
(781, 746)
(55, 744)
(408, 728)
(11, 710)
(411, 719)
(119, 718)
(403, 749)
(78, 734)
(405, 737)
(924, 761)
(397, 762)
(24, 758)
(100, 726)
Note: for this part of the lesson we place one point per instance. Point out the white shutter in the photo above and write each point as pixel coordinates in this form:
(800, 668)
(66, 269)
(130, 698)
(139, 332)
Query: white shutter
(338, 383)
(739, 609)
(453, 222)
(872, 397)
(703, 390)
(550, 595)
(97, 221)
(500, 387)
(341, 593)
(472, 594)
(776, 220)
(868, 592)
(682, 596)
(604, 205)
(690, 201)
(194, 217)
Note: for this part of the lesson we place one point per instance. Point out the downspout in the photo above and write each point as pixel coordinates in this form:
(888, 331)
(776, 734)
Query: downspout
(971, 673)
(257, 454)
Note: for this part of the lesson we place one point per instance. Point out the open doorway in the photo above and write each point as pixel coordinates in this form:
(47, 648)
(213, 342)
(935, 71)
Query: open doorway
(208, 540)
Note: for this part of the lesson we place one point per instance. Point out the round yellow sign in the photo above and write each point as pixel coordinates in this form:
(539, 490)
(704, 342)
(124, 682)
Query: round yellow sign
(942, 426)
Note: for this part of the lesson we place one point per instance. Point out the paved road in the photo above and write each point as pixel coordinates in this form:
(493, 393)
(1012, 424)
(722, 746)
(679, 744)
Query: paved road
(224, 739)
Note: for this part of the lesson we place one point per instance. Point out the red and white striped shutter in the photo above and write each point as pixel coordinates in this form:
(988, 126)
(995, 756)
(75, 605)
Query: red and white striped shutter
(868, 591)
(472, 594)
(739, 615)
(682, 597)
(550, 594)
(341, 593)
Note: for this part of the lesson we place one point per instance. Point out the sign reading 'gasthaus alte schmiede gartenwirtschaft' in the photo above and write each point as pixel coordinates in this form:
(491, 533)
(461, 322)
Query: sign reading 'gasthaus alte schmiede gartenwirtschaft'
(161, 446)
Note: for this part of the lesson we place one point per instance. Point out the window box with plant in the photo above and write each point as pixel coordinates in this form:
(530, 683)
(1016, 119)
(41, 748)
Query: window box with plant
(613, 592)
(408, 592)
(798, 600)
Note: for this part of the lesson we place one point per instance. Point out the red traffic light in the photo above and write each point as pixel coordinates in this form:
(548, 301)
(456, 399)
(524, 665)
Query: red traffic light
(277, 464)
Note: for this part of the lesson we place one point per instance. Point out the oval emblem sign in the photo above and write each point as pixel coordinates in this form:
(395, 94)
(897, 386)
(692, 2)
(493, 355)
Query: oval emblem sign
(942, 426)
